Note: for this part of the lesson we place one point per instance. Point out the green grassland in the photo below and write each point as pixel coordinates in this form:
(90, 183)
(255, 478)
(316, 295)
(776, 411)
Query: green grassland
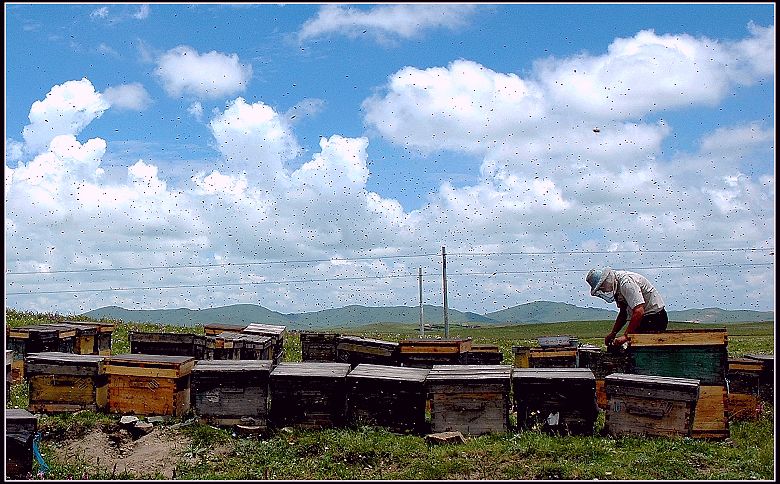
(368, 453)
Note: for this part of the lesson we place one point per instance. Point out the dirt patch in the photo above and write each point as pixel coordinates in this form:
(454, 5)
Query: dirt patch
(156, 453)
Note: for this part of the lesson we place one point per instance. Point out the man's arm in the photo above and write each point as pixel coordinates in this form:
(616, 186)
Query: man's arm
(636, 316)
(619, 322)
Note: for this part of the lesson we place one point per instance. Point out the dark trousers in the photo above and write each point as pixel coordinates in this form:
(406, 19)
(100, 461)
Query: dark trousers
(652, 323)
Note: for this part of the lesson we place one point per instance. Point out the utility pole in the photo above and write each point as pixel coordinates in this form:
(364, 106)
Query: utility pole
(422, 325)
(444, 279)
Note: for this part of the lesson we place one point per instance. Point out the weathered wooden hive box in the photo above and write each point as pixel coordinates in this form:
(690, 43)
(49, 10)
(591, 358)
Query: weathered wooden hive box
(425, 353)
(66, 382)
(213, 329)
(556, 400)
(226, 346)
(482, 355)
(602, 363)
(387, 396)
(37, 339)
(471, 399)
(699, 354)
(275, 332)
(256, 347)
(766, 379)
(650, 405)
(169, 344)
(553, 357)
(231, 392)
(9, 358)
(146, 384)
(355, 350)
(521, 355)
(308, 394)
(86, 341)
(104, 330)
(317, 346)
(20, 429)
(744, 388)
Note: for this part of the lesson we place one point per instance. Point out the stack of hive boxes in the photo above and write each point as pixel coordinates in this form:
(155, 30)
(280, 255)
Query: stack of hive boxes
(554, 352)
(66, 382)
(356, 349)
(317, 346)
(698, 354)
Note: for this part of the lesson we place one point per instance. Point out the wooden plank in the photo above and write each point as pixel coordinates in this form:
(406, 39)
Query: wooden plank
(743, 406)
(387, 372)
(710, 418)
(311, 369)
(680, 337)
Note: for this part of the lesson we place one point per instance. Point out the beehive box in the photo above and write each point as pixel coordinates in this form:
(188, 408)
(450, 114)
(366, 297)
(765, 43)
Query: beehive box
(37, 339)
(275, 332)
(387, 396)
(231, 392)
(744, 388)
(226, 346)
(602, 363)
(308, 395)
(471, 399)
(85, 340)
(766, 380)
(425, 353)
(553, 357)
(20, 429)
(521, 355)
(103, 337)
(650, 405)
(169, 344)
(355, 350)
(555, 400)
(482, 355)
(213, 329)
(699, 354)
(65, 382)
(145, 384)
(317, 346)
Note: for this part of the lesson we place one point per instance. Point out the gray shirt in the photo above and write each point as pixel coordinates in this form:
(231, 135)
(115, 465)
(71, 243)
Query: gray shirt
(634, 289)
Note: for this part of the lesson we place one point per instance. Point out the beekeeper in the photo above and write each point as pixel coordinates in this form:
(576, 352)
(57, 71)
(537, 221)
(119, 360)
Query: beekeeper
(637, 300)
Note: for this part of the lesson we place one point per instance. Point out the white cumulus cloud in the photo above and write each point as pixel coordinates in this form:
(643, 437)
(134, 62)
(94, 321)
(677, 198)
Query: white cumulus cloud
(184, 71)
(385, 22)
(132, 97)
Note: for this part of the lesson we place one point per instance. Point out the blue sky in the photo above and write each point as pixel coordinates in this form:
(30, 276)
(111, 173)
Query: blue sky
(327, 151)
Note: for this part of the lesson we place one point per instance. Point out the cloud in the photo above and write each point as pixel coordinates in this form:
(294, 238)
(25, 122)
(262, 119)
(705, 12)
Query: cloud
(67, 109)
(549, 197)
(213, 75)
(386, 21)
(196, 110)
(132, 97)
(142, 13)
(106, 49)
(307, 108)
(99, 13)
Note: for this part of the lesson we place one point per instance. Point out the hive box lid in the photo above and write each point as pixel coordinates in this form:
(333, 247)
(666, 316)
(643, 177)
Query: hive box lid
(59, 358)
(19, 414)
(149, 365)
(264, 329)
(81, 329)
(469, 373)
(312, 369)
(548, 374)
(232, 366)
(102, 326)
(51, 330)
(651, 385)
(386, 372)
(680, 337)
(368, 341)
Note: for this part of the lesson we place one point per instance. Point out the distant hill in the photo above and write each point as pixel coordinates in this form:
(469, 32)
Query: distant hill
(716, 315)
(549, 312)
(349, 316)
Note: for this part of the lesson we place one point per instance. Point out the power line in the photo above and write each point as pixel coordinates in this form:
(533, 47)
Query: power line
(363, 278)
(346, 259)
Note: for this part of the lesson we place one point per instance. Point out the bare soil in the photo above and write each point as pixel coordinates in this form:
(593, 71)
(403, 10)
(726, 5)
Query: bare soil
(115, 451)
